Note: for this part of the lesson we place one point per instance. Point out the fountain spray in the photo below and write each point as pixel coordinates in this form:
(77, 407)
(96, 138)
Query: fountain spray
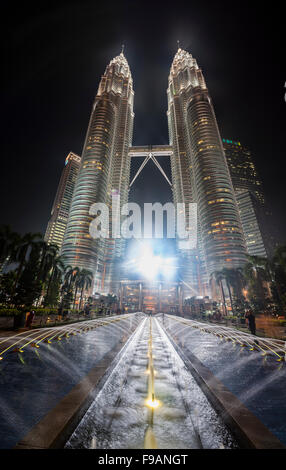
(150, 439)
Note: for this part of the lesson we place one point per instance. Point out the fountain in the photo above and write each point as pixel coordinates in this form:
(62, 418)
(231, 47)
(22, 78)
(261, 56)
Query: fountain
(149, 396)
(34, 380)
(175, 413)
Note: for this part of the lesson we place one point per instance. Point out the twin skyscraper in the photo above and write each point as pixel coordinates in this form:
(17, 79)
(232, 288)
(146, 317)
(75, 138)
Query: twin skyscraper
(199, 175)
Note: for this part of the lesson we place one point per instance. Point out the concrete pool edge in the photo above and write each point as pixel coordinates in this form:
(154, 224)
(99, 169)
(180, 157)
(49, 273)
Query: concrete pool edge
(247, 429)
(55, 428)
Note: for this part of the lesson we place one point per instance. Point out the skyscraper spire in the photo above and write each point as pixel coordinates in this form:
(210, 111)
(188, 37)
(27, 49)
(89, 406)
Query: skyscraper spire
(105, 168)
(199, 175)
(199, 171)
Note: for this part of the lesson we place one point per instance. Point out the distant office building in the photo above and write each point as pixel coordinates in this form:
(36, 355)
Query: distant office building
(249, 209)
(242, 169)
(254, 213)
(60, 211)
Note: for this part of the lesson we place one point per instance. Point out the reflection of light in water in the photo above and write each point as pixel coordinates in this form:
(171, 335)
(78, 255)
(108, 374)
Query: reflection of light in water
(150, 439)
(93, 443)
(38, 336)
(11, 416)
(37, 381)
(152, 403)
(171, 424)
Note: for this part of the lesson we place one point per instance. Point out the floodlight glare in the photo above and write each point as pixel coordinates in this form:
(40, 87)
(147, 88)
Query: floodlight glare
(151, 266)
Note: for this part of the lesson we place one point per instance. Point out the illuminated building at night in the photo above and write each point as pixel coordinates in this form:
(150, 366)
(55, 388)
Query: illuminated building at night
(242, 170)
(155, 296)
(199, 175)
(104, 171)
(60, 211)
(250, 214)
(254, 213)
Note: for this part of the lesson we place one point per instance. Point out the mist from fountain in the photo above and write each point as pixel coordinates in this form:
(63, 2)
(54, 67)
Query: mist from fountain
(33, 382)
(151, 401)
(254, 375)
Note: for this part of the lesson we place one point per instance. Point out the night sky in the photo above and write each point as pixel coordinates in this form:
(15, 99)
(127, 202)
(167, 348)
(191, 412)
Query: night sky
(54, 57)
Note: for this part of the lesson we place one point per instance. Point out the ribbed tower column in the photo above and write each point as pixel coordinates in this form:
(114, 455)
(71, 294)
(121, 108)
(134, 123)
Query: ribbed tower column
(222, 234)
(200, 172)
(105, 169)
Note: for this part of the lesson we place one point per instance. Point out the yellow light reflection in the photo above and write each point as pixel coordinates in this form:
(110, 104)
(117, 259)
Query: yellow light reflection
(152, 403)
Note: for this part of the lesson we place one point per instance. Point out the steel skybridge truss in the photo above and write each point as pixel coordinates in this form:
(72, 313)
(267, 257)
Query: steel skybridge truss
(150, 156)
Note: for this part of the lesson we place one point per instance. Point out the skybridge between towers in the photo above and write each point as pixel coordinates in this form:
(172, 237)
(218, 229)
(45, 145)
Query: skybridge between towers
(151, 152)
(199, 175)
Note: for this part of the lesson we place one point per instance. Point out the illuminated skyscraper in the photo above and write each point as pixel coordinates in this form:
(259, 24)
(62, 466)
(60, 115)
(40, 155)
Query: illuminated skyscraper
(242, 169)
(200, 173)
(104, 172)
(251, 214)
(255, 215)
(60, 211)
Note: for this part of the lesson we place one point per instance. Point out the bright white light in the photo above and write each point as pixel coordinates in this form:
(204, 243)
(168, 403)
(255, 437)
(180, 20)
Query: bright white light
(150, 265)
(152, 403)
(147, 263)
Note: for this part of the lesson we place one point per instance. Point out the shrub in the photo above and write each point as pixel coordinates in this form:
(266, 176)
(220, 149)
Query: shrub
(10, 312)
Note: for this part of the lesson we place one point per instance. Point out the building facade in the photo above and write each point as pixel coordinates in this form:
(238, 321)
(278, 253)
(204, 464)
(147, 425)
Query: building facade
(199, 169)
(146, 296)
(254, 213)
(200, 174)
(250, 215)
(104, 173)
(61, 207)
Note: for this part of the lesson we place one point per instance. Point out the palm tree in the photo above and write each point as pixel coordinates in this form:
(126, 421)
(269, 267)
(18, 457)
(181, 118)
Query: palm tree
(273, 271)
(77, 283)
(54, 281)
(234, 280)
(6, 285)
(190, 302)
(70, 276)
(261, 265)
(278, 276)
(29, 285)
(85, 282)
(228, 277)
(239, 283)
(111, 299)
(280, 256)
(48, 254)
(219, 277)
(22, 250)
(9, 240)
(257, 270)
